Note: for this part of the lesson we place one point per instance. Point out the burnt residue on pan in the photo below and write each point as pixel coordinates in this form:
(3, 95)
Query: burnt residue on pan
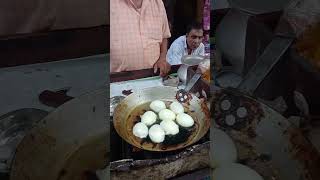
(172, 140)
(181, 137)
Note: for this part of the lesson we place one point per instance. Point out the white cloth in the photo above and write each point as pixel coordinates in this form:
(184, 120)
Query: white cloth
(178, 49)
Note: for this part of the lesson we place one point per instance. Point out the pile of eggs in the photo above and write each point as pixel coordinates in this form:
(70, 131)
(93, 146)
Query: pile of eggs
(224, 156)
(170, 120)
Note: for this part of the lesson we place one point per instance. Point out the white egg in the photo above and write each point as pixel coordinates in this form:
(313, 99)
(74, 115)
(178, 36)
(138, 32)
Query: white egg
(156, 133)
(149, 118)
(157, 105)
(176, 107)
(235, 171)
(185, 120)
(170, 127)
(223, 150)
(140, 130)
(167, 114)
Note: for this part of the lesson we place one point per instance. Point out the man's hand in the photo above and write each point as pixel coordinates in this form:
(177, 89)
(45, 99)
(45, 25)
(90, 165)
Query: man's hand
(163, 65)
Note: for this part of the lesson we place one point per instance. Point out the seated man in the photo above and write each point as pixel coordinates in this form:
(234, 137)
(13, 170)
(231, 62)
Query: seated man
(189, 44)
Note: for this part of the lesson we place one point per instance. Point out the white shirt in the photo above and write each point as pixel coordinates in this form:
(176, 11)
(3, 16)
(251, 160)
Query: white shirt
(178, 49)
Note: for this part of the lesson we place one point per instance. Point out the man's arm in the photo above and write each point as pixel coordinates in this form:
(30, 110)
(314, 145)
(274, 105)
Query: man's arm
(162, 63)
(164, 49)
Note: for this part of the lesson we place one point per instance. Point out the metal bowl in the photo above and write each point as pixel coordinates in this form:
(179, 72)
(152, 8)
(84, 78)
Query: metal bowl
(192, 60)
(188, 61)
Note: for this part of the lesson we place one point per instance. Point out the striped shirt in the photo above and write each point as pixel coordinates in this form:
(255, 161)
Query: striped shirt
(136, 34)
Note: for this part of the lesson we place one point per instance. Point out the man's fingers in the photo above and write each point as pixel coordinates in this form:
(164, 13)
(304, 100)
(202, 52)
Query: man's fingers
(167, 68)
(164, 69)
(155, 68)
(162, 72)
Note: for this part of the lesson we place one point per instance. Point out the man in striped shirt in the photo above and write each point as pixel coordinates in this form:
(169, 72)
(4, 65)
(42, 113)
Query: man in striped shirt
(138, 35)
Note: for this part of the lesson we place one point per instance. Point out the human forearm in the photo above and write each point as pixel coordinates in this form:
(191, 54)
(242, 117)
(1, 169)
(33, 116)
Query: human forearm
(162, 63)
(163, 49)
